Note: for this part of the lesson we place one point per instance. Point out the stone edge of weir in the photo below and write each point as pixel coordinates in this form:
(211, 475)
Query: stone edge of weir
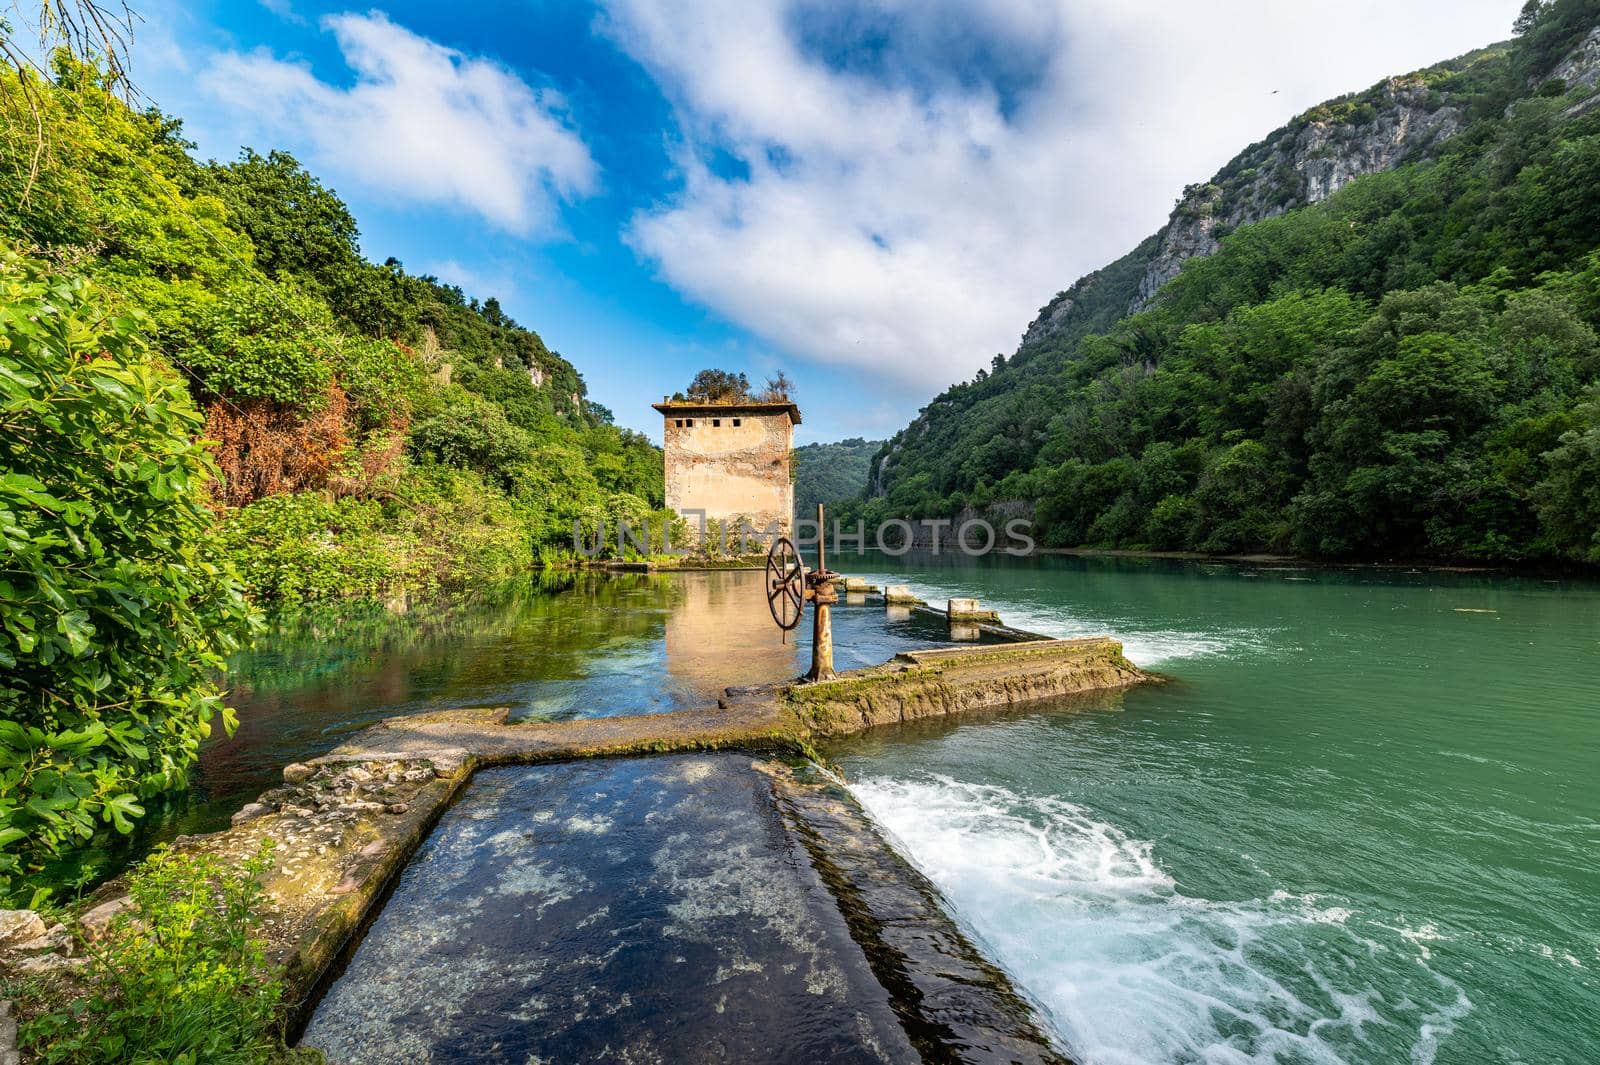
(343, 825)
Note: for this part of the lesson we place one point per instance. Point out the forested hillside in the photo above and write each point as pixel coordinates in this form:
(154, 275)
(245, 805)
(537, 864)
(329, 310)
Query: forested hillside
(371, 430)
(828, 473)
(210, 405)
(1380, 340)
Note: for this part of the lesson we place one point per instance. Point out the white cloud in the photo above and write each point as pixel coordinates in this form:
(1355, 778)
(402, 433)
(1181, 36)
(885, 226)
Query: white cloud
(897, 212)
(284, 9)
(421, 122)
(476, 284)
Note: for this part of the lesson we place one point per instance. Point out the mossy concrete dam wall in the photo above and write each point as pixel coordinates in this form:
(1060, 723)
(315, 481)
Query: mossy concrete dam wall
(344, 824)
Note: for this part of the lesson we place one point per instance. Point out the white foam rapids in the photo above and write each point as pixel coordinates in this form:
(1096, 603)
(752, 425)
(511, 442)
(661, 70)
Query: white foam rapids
(1144, 644)
(1129, 968)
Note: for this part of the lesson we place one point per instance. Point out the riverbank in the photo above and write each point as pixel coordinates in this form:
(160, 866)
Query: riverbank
(1428, 565)
(673, 563)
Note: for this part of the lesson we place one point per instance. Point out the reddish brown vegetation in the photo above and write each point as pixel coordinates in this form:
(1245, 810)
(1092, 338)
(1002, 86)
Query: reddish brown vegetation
(263, 447)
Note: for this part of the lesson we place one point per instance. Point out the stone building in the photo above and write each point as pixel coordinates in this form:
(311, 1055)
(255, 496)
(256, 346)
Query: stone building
(730, 460)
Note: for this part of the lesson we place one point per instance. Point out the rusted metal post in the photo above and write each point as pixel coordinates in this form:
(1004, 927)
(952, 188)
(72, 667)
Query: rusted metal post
(823, 598)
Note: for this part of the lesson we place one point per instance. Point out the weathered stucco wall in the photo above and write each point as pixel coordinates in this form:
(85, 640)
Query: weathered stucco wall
(730, 470)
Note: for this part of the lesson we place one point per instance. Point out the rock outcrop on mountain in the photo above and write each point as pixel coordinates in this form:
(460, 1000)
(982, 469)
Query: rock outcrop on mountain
(1400, 120)
(1580, 69)
(1304, 162)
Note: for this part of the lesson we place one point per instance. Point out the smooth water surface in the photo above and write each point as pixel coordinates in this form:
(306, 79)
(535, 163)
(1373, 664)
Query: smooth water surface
(568, 646)
(1361, 824)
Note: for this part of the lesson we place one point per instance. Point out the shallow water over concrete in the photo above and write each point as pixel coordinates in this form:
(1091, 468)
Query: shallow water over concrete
(639, 910)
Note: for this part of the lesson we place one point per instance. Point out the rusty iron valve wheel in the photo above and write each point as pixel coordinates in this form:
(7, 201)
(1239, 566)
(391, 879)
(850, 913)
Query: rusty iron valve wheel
(790, 586)
(786, 590)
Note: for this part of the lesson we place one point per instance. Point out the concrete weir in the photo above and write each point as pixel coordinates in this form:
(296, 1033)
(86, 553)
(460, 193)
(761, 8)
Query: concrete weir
(346, 824)
(919, 684)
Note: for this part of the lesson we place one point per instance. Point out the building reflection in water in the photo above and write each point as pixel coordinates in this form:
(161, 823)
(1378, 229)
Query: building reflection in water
(721, 635)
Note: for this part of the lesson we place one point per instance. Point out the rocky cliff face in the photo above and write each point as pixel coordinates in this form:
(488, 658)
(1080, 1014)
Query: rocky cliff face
(1580, 69)
(1399, 120)
(1403, 119)
(1304, 162)
(878, 479)
(884, 463)
(1058, 312)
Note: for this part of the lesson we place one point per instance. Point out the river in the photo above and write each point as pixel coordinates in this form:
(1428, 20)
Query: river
(1359, 823)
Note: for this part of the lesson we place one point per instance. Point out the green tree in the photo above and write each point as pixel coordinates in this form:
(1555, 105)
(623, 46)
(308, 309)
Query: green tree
(1239, 500)
(719, 386)
(1569, 496)
(299, 227)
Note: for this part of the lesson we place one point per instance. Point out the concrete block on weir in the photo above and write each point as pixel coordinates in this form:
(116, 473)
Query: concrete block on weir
(969, 610)
(858, 584)
(900, 594)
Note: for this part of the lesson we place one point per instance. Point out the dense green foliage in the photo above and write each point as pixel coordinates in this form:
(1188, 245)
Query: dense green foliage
(374, 431)
(1407, 368)
(207, 397)
(113, 604)
(718, 386)
(180, 976)
(828, 473)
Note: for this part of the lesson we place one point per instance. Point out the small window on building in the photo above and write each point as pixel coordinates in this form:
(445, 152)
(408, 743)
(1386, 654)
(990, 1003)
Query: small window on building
(680, 423)
(716, 423)
(689, 422)
(736, 423)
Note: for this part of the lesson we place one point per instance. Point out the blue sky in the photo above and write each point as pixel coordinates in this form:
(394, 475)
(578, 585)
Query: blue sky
(875, 196)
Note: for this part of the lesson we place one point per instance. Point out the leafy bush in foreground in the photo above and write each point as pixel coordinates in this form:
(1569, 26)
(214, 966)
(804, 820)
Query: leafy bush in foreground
(113, 608)
(180, 976)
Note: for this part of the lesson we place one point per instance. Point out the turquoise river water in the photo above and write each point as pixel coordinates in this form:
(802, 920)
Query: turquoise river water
(1360, 823)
